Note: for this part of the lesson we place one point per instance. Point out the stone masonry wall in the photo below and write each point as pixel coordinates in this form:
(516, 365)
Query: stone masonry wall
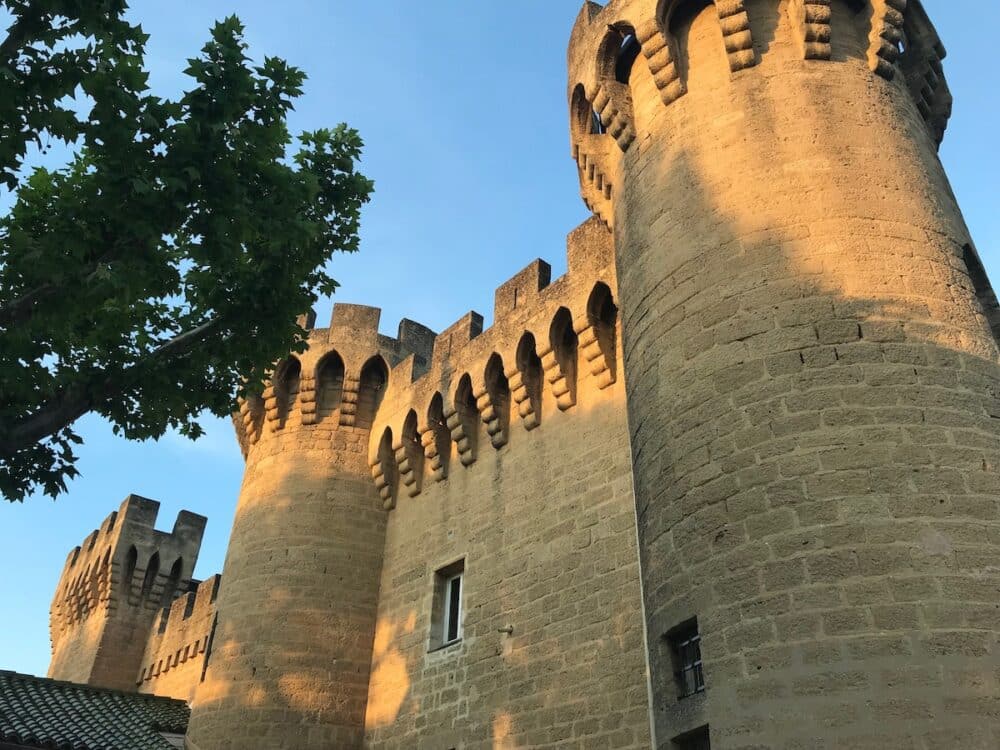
(538, 502)
(177, 646)
(812, 382)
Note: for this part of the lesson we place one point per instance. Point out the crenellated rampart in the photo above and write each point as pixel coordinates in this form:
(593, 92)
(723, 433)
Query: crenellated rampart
(546, 336)
(417, 395)
(179, 643)
(111, 588)
(607, 40)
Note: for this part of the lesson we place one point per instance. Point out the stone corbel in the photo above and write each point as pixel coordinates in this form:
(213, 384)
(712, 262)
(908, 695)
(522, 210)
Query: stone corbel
(736, 34)
(409, 455)
(495, 428)
(661, 56)
(463, 441)
(613, 101)
(811, 19)
(557, 378)
(349, 407)
(526, 409)
(271, 408)
(307, 398)
(888, 17)
(439, 469)
(382, 485)
(598, 361)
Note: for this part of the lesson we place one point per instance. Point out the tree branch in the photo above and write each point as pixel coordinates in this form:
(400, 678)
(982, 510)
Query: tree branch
(76, 401)
(20, 309)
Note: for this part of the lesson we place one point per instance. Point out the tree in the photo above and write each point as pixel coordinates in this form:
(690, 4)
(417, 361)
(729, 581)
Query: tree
(161, 271)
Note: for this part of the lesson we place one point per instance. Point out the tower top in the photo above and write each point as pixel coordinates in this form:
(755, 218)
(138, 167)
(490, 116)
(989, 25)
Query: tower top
(894, 39)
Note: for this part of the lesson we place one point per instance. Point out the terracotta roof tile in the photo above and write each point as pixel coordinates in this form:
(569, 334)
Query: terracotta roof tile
(43, 713)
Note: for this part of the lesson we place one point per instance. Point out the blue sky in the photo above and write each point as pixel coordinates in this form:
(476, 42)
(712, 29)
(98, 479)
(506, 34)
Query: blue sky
(462, 108)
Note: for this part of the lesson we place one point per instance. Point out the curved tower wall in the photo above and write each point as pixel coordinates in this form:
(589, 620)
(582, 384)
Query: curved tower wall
(292, 649)
(811, 375)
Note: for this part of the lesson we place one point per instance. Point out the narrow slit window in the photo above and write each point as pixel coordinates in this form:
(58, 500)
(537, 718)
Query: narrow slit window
(453, 611)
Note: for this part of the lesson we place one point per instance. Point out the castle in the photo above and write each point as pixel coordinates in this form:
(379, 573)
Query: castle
(731, 482)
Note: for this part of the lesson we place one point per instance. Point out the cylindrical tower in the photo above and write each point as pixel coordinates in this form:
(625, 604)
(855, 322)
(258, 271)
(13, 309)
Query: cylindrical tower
(812, 370)
(291, 651)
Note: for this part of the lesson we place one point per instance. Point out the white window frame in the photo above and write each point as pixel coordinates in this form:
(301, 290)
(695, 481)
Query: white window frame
(446, 608)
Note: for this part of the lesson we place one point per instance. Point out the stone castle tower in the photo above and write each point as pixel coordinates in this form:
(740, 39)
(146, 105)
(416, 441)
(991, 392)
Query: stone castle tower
(730, 482)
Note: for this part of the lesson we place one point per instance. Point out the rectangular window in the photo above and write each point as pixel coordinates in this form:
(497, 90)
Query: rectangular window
(696, 740)
(447, 610)
(453, 608)
(685, 652)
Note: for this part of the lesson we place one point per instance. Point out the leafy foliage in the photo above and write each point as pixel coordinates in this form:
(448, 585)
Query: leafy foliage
(167, 263)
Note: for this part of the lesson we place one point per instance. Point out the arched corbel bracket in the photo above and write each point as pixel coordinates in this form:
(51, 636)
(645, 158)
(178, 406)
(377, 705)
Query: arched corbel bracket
(661, 56)
(736, 34)
(595, 185)
(349, 407)
(382, 485)
(409, 455)
(598, 362)
(522, 397)
(886, 36)
(307, 398)
(558, 379)
(811, 20)
(459, 434)
(498, 432)
(439, 469)
(613, 101)
(251, 428)
(270, 397)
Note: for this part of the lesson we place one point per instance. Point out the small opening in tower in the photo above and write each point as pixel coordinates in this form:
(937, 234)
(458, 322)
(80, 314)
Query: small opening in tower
(374, 379)
(597, 124)
(329, 386)
(628, 52)
(564, 343)
(442, 435)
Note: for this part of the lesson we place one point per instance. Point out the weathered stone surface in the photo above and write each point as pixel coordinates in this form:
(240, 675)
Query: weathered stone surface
(790, 431)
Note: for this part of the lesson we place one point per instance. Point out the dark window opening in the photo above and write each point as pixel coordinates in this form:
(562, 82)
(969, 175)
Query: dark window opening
(374, 380)
(447, 609)
(627, 55)
(288, 381)
(454, 608)
(685, 652)
(152, 570)
(696, 740)
(597, 124)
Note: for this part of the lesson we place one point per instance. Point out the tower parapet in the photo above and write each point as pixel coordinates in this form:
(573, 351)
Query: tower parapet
(112, 588)
(810, 372)
(296, 618)
(179, 643)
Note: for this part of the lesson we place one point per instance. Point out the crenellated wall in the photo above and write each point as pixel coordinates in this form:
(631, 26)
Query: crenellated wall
(784, 442)
(510, 454)
(179, 643)
(112, 588)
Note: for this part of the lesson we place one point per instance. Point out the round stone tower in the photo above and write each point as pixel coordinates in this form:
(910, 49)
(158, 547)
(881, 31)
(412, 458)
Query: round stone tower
(811, 365)
(291, 650)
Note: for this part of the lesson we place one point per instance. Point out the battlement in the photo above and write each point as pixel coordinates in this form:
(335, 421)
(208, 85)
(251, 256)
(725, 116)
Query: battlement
(178, 642)
(547, 338)
(126, 565)
(607, 42)
(338, 381)
(345, 373)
